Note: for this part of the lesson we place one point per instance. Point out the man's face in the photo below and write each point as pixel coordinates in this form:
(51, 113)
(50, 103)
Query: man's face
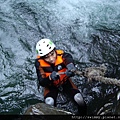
(50, 57)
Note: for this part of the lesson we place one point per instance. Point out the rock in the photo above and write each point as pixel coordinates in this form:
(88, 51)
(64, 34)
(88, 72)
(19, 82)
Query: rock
(111, 108)
(44, 109)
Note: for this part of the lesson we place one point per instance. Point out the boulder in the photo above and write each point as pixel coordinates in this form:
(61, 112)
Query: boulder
(44, 109)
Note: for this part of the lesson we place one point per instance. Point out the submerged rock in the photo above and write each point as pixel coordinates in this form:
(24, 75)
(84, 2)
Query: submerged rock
(44, 109)
(111, 108)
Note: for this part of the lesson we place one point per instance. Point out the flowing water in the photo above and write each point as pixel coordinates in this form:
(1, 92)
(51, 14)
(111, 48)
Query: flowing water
(88, 29)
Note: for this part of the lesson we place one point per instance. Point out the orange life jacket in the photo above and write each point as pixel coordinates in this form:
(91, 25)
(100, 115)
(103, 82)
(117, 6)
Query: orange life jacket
(59, 67)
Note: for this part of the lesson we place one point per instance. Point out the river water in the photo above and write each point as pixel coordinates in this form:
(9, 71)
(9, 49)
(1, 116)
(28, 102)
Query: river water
(88, 29)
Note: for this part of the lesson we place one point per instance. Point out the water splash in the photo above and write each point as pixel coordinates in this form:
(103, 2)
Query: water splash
(88, 29)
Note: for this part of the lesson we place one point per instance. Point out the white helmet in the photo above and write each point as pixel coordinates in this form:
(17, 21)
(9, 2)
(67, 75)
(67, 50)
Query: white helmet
(44, 46)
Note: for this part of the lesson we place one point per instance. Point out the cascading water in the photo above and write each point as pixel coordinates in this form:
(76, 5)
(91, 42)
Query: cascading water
(89, 30)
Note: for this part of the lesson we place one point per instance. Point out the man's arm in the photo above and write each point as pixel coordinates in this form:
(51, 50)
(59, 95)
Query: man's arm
(43, 81)
(69, 62)
(67, 58)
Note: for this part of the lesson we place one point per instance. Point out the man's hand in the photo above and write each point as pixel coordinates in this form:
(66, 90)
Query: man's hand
(54, 75)
(70, 70)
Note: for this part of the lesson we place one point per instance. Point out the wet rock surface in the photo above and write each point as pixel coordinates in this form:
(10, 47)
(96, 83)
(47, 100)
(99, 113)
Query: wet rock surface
(44, 109)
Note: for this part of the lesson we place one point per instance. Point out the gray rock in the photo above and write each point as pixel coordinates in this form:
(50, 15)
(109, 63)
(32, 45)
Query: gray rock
(44, 109)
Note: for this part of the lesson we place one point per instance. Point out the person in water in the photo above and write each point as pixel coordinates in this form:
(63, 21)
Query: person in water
(54, 70)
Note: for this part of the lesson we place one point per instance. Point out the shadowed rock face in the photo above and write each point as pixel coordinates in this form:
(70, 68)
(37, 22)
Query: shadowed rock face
(44, 109)
(111, 108)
